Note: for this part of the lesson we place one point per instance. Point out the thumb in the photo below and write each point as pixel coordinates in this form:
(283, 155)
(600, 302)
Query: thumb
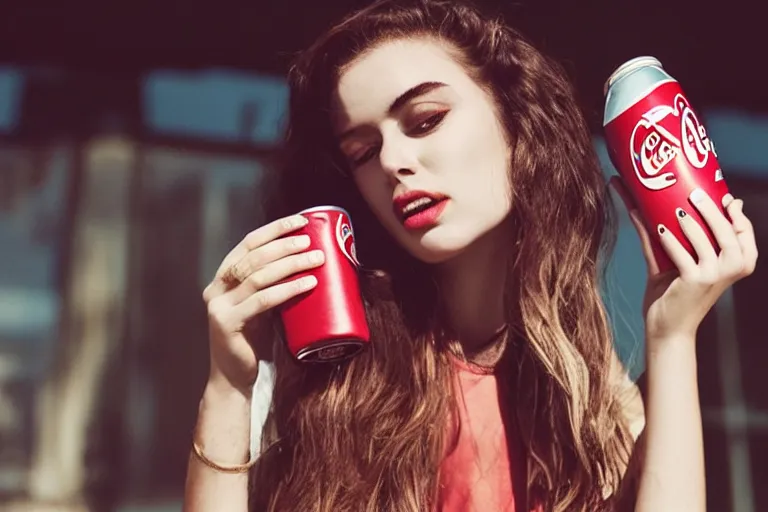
(617, 184)
(634, 216)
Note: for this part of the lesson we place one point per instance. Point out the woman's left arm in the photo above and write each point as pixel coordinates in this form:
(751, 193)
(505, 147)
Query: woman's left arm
(671, 456)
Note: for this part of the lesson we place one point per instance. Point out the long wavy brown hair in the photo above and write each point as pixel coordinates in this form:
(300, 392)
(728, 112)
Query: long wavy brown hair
(369, 434)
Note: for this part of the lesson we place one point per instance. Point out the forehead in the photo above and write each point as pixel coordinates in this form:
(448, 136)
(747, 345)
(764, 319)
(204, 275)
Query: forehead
(371, 82)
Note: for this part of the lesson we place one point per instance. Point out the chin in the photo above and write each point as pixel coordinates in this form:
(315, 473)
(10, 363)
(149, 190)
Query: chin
(432, 257)
(437, 245)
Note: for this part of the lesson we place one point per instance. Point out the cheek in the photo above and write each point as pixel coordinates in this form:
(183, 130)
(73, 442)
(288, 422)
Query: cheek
(480, 157)
(484, 158)
(474, 141)
(492, 153)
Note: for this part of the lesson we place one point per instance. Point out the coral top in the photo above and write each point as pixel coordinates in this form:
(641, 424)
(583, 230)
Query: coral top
(484, 467)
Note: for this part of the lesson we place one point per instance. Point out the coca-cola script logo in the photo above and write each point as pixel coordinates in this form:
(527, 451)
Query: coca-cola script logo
(653, 144)
(346, 239)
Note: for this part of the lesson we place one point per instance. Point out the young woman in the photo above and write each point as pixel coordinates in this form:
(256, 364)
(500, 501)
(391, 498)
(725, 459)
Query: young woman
(491, 383)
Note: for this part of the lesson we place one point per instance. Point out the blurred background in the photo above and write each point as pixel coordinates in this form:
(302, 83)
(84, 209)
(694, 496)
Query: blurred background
(132, 142)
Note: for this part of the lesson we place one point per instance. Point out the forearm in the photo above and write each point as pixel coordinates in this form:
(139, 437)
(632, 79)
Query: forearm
(223, 430)
(672, 470)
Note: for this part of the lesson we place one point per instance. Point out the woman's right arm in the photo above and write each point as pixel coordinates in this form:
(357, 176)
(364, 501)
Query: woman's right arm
(223, 433)
(251, 280)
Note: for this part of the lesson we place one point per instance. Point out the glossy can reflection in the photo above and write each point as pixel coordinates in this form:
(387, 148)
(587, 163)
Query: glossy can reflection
(328, 323)
(659, 146)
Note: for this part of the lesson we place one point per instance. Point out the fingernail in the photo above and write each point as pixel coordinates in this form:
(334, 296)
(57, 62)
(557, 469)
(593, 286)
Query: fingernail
(293, 222)
(680, 213)
(697, 196)
(302, 241)
(316, 256)
(727, 200)
(307, 282)
(661, 229)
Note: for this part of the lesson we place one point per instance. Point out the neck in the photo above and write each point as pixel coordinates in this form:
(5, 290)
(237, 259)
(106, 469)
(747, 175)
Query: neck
(472, 290)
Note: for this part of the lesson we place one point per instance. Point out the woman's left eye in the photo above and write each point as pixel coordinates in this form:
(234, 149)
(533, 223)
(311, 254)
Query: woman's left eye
(364, 157)
(427, 125)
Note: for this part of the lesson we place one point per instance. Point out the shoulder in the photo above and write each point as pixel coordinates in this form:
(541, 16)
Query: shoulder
(628, 395)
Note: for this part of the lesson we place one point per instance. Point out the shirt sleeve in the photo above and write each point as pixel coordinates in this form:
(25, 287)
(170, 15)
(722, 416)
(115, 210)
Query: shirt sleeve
(261, 401)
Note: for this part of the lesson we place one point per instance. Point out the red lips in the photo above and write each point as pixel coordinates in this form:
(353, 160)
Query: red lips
(418, 209)
(400, 202)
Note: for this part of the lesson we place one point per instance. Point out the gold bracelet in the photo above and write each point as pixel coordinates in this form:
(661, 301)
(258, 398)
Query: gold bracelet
(233, 469)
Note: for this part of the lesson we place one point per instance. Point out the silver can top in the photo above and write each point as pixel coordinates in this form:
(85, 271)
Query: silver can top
(632, 81)
(629, 67)
(325, 208)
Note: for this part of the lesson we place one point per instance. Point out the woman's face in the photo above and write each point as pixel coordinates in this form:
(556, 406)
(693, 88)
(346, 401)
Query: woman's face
(425, 147)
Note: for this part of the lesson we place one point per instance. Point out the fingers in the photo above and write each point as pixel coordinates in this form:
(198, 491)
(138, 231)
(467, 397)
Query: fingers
(272, 297)
(745, 234)
(259, 237)
(736, 238)
(738, 251)
(705, 252)
(227, 276)
(266, 254)
(723, 231)
(682, 259)
(268, 275)
(263, 289)
(233, 318)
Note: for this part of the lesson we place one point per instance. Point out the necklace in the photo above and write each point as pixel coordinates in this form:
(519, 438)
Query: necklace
(490, 353)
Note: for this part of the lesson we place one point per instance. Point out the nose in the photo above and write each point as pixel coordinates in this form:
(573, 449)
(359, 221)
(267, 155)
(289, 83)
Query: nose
(397, 157)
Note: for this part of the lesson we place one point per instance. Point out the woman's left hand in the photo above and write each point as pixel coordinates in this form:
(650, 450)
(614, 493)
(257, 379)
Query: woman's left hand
(676, 302)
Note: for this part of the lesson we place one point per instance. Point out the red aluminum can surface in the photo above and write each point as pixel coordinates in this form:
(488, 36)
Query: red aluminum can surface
(660, 148)
(328, 323)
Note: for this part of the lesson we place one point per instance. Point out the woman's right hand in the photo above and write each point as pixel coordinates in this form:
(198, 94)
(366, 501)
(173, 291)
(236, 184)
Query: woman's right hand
(250, 281)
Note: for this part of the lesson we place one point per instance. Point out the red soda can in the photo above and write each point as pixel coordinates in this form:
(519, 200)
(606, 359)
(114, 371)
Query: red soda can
(328, 323)
(660, 148)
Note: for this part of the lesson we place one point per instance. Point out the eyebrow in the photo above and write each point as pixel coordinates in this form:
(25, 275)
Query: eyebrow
(413, 92)
(400, 101)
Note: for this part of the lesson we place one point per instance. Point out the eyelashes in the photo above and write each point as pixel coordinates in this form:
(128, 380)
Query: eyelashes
(427, 125)
(367, 155)
(421, 128)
